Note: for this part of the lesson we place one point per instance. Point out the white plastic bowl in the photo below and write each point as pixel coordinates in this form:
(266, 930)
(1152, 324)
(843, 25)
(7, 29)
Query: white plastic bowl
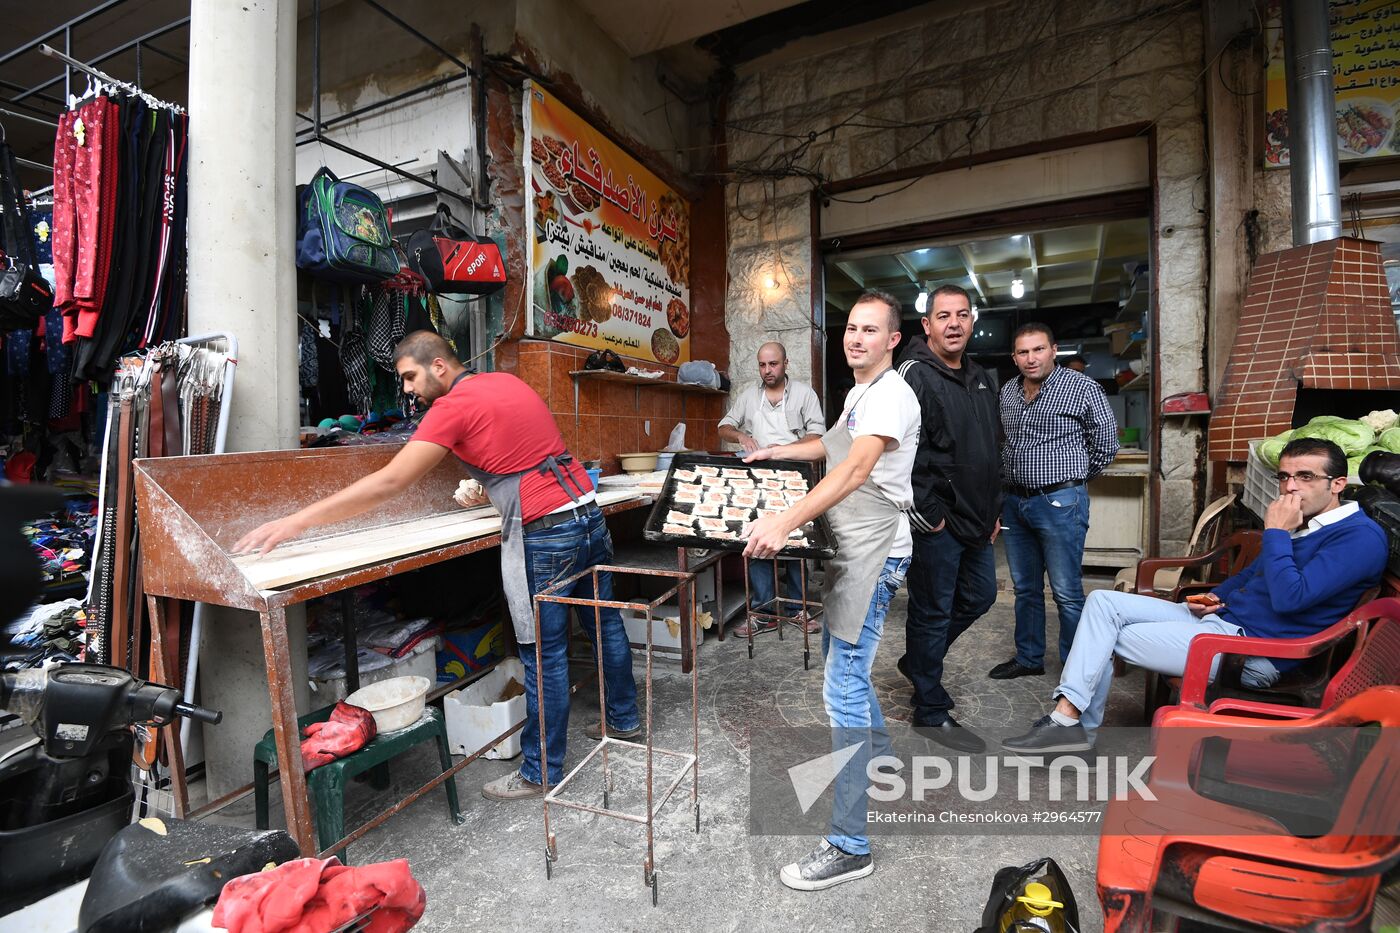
(395, 703)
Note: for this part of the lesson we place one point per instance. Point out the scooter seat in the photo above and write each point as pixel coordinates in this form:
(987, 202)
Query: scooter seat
(147, 881)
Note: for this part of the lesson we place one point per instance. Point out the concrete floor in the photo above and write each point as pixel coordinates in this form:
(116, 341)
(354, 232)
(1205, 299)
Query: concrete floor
(489, 874)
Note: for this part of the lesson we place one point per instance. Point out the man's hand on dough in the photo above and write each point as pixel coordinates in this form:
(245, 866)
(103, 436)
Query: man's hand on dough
(267, 536)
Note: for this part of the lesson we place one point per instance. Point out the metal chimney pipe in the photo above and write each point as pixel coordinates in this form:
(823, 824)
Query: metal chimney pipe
(1312, 122)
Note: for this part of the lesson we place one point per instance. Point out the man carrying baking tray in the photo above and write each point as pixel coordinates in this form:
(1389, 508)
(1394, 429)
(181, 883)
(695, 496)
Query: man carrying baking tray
(864, 495)
(551, 528)
(781, 410)
(1319, 555)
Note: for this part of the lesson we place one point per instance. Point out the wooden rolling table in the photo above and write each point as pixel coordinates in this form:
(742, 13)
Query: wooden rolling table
(192, 509)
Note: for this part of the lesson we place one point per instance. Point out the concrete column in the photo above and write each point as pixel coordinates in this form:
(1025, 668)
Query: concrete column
(242, 279)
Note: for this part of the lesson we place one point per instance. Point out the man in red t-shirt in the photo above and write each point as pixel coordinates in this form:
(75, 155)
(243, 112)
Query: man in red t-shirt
(551, 529)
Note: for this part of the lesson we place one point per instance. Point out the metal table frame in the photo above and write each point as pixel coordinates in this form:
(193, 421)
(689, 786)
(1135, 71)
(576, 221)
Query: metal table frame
(812, 609)
(690, 763)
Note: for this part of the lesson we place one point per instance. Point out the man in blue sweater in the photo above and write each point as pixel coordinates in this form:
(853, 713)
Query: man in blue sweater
(1318, 556)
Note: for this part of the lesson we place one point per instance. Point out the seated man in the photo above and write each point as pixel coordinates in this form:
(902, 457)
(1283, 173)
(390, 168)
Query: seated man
(1318, 556)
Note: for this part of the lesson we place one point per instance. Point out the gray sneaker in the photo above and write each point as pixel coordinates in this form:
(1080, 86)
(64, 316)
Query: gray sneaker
(825, 867)
(1047, 736)
(511, 787)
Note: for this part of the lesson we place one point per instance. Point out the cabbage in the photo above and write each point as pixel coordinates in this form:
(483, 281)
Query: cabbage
(1325, 419)
(1352, 436)
(1270, 449)
(1390, 440)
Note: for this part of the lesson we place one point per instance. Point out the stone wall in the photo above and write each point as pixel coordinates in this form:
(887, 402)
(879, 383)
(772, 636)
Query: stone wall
(921, 91)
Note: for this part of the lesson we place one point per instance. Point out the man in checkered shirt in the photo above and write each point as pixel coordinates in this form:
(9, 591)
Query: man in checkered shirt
(1060, 433)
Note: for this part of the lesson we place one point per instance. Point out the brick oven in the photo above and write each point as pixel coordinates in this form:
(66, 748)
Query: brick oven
(1316, 336)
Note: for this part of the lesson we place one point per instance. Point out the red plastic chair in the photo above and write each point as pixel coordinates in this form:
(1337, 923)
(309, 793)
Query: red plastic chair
(1236, 860)
(1368, 639)
(1322, 656)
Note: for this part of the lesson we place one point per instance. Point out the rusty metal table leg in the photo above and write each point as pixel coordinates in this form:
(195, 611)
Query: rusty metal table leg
(284, 726)
(351, 643)
(175, 754)
(684, 605)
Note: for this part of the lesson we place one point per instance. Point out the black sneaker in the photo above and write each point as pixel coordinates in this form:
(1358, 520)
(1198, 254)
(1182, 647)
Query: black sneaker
(1012, 669)
(1046, 735)
(825, 867)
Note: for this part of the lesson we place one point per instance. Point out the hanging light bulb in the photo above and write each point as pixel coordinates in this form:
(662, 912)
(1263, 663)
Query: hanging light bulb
(921, 302)
(770, 283)
(1018, 287)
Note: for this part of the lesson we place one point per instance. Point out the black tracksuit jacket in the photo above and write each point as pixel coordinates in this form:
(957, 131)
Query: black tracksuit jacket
(957, 470)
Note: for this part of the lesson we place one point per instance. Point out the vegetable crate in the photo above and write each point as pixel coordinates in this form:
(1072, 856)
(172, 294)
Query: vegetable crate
(1260, 482)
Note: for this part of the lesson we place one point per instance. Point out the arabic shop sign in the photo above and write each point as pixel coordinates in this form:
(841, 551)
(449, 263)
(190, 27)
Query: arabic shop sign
(1366, 69)
(610, 252)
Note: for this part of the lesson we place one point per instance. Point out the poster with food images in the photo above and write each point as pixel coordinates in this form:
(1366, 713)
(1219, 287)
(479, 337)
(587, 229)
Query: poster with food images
(1366, 75)
(609, 241)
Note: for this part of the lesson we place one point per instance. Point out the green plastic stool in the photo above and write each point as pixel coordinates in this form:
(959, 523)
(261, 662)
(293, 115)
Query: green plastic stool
(327, 783)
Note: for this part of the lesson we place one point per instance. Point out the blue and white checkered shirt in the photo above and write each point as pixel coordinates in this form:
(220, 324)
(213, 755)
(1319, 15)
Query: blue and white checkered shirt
(1067, 433)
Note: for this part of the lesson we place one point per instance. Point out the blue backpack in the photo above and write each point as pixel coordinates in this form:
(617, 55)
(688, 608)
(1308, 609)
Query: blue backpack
(343, 232)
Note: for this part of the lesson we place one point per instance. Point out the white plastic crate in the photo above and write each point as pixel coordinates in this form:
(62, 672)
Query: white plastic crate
(1260, 482)
(476, 714)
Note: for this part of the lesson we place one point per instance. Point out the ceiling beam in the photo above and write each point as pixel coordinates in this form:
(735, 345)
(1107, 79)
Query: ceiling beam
(908, 268)
(1098, 263)
(971, 266)
(849, 271)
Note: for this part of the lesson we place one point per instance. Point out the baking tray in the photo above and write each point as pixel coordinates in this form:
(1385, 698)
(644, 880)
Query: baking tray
(823, 544)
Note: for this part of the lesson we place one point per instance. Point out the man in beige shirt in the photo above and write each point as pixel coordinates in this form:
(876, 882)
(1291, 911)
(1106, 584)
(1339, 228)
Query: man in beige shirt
(780, 410)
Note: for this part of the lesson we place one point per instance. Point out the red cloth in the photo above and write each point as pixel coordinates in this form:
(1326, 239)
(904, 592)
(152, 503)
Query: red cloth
(497, 423)
(349, 729)
(313, 896)
(85, 201)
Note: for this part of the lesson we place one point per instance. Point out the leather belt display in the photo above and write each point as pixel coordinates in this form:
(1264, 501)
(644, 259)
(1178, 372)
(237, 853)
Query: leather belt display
(559, 518)
(1028, 492)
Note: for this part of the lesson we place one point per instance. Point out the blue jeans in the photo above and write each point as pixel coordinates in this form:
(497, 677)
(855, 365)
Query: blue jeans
(1046, 533)
(1152, 633)
(761, 576)
(951, 586)
(855, 711)
(551, 554)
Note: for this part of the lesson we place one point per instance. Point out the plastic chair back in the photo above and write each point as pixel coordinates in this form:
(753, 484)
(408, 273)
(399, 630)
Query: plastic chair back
(1376, 663)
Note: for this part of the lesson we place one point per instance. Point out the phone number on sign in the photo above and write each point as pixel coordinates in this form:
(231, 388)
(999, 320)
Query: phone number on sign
(564, 322)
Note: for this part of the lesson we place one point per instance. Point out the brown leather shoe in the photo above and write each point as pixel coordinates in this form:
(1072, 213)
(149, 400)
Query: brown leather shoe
(594, 730)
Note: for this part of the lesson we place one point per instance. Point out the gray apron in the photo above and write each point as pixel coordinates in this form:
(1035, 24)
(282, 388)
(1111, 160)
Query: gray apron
(865, 525)
(503, 489)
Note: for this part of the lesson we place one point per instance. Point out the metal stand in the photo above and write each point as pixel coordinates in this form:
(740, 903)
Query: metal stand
(772, 610)
(685, 582)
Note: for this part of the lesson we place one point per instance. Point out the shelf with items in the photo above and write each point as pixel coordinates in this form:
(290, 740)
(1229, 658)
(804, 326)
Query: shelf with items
(1140, 383)
(607, 375)
(638, 383)
(1134, 349)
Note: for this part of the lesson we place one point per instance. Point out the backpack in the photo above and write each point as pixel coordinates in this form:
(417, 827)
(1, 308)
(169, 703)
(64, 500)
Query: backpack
(25, 296)
(453, 261)
(343, 232)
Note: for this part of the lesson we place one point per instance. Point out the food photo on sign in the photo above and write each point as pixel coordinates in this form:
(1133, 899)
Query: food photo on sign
(610, 256)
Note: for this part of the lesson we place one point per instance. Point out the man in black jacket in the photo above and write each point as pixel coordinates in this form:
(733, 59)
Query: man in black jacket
(957, 506)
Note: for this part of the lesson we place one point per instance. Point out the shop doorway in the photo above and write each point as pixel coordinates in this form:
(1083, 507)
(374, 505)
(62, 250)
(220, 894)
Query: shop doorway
(1089, 281)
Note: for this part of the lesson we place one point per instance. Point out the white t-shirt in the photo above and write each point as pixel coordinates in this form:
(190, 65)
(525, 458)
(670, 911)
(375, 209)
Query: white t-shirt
(889, 408)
